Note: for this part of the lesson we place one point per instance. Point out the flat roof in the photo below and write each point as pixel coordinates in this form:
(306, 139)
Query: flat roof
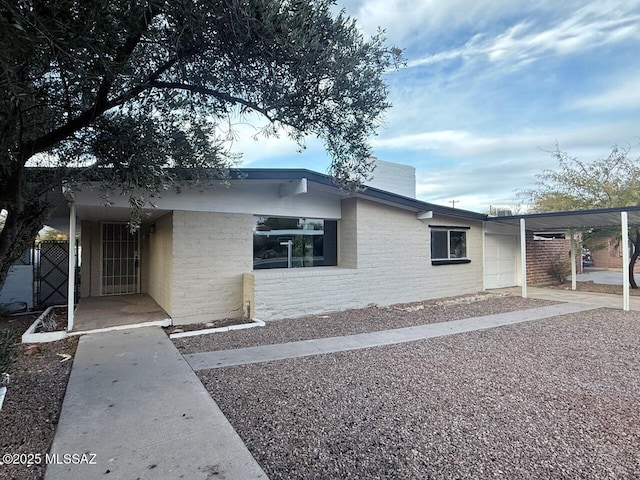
(369, 192)
(539, 222)
(573, 219)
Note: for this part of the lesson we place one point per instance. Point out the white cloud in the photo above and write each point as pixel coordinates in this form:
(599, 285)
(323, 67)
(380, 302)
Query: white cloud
(591, 26)
(474, 187)
(498, 86)
(466, 144)
(623, 95)
(408, 21)
(482, 170)
(459, 143)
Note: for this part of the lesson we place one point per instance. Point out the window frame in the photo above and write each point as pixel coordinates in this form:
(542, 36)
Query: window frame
(448, 229)
(299, 238)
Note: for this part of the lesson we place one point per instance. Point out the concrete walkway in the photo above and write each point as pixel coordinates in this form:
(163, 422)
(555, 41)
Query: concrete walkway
(267, 353)
(134, 402)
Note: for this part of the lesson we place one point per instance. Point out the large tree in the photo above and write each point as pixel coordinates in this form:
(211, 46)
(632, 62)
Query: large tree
(612, 181)
(137, 92)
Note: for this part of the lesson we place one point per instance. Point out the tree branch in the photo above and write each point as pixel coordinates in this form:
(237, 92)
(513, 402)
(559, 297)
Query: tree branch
(101, 104)
(212, 93)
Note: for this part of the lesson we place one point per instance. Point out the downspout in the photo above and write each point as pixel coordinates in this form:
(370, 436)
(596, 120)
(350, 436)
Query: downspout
(523, 256)
(71, 283)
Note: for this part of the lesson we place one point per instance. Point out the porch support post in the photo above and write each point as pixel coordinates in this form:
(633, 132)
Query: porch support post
(573, 260)
(625, 260)
(523, 256)
(72, 266)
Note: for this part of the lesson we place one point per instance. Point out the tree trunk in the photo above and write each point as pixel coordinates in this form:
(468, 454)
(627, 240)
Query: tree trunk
(632, 260)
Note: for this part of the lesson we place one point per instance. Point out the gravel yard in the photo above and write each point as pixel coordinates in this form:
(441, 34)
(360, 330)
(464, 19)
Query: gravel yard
(359, 321)
(29, 416)
(556, 398)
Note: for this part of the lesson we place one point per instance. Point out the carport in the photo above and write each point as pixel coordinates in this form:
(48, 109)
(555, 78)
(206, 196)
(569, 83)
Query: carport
(572, 221)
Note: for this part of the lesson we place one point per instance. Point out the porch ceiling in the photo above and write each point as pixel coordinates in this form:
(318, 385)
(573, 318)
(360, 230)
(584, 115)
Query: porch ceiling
(576, 220)
(113, 214)
(60, 216)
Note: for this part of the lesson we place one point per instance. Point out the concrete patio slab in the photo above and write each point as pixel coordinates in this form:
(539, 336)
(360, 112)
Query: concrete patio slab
(583, 298)
(93, 313)
(267, 353)
(603, 277)
(133, 401)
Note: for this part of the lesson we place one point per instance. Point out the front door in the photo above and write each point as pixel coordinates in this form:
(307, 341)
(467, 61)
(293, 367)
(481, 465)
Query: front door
(120, 260)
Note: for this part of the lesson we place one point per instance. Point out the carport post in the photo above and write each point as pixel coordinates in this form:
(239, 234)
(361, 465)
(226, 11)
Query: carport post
(523, 256)
(573, 260)
(625, 260)
(71, 281)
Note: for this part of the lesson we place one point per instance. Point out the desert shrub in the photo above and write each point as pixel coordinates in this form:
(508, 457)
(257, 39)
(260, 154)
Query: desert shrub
(560, 269)
(49, 323)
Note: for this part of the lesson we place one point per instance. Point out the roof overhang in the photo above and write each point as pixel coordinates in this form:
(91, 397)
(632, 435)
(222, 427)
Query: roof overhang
(572, 220)
(369, 193)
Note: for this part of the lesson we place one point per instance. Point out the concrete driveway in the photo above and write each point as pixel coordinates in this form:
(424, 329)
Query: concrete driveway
(604, 277)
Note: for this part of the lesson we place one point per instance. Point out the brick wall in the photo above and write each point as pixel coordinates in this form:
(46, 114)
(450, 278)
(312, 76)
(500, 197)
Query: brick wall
(541, 254)
(609, 254)
(392, 249)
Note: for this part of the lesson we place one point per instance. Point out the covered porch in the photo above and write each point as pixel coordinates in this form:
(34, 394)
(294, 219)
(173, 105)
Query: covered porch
(109, 312)
(572, 221)
(114, 266)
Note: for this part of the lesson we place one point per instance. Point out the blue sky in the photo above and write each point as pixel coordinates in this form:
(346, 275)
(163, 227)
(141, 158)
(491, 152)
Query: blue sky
(490, 87)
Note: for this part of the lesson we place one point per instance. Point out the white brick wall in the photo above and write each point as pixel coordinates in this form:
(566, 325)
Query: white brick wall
(211, 251)
(160, 265)
(393, 266)
(348, 234)
(394, 177)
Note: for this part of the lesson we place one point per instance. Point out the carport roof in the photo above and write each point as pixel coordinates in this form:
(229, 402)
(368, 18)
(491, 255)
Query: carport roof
(576, 219)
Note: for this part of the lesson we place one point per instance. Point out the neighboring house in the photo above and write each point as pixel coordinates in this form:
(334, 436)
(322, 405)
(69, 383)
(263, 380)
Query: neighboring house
(607, 253)
(282, 243)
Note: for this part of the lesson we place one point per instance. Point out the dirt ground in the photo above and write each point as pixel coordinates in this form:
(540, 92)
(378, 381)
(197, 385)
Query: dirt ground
(37, 383)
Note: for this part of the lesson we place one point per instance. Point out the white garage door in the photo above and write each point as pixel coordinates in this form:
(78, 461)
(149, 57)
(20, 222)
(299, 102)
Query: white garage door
(500, 260)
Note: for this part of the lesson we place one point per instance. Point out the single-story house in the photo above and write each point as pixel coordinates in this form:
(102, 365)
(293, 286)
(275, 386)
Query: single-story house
(280, 243)
(277, 243)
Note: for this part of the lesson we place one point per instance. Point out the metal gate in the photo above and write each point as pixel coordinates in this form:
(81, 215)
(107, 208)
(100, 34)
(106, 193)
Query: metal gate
(120, 264)
(51, 267)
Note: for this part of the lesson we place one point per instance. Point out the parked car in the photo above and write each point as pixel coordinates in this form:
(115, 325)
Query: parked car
(587, 259)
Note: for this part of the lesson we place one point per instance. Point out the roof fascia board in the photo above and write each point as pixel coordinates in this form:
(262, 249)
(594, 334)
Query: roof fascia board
(566, 213)
(375, 194)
